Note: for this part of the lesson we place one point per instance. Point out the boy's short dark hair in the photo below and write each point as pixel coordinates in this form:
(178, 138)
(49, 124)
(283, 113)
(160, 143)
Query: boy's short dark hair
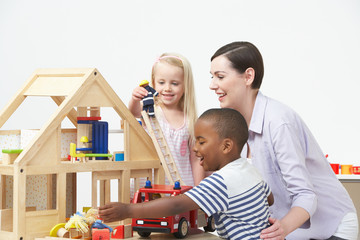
(228, 123)
(243, 55)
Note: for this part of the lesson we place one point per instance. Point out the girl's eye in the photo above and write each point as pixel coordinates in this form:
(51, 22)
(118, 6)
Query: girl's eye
(161, 83)
(175, 83)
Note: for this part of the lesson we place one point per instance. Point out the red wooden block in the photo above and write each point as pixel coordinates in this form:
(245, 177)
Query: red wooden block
(122, 232)
(118, 232)
(100, 234)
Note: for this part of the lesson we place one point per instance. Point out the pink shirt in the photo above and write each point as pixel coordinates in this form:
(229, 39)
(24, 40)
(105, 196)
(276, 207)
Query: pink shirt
(178, 142)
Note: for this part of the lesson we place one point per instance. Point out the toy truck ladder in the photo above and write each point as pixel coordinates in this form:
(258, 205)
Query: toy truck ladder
(162, 149)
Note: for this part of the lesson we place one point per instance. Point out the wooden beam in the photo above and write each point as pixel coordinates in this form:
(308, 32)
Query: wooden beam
(61, 196)
(16, 100)
(72, 115)
(55, 120)
(19, 203)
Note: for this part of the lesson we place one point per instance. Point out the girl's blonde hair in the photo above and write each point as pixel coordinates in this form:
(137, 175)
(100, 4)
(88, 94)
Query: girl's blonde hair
(187, 101)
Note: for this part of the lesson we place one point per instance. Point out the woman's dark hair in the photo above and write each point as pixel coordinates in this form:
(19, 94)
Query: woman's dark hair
(243, 55)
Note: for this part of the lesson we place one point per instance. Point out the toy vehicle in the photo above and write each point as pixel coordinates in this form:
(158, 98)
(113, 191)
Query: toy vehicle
(179, 224)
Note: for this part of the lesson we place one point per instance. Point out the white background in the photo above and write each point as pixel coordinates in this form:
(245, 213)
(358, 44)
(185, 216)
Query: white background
(310, 48)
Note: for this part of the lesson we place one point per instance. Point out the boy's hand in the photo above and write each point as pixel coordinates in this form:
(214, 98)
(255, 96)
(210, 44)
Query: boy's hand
(114, 211)
(139, 93)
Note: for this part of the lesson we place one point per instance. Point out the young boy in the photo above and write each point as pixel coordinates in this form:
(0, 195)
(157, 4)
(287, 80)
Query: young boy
(235, 193)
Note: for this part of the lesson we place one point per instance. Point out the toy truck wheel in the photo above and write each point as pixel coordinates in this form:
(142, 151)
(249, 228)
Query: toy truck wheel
(144, 234)
(183, 229)
(210, 227)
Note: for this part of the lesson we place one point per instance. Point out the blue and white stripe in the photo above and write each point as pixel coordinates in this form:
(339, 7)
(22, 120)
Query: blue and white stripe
(240, 216)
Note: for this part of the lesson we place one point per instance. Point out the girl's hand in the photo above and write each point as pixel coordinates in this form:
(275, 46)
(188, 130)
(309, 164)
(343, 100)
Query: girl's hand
(139, 93)
(274, 232)
(114, 211)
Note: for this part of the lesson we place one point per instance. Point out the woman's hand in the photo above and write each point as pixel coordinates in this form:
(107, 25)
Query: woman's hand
(274, 232)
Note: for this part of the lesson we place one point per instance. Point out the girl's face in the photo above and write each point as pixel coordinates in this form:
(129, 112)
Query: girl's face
(228, 84)
(169, 83)
(208, 146)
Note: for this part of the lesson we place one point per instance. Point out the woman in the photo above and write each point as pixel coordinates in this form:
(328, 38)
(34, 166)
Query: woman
(310, 202)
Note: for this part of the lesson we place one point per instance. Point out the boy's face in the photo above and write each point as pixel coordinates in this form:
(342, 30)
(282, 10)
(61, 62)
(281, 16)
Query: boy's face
(208, 147)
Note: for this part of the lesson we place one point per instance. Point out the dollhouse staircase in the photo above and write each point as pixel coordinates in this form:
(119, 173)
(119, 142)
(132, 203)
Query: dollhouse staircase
(162, 148)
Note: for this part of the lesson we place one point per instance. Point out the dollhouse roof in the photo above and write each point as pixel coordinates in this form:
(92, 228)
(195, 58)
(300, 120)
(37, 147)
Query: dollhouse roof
(71, 88)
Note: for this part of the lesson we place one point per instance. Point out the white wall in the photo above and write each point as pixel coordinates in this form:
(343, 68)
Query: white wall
(311, 51)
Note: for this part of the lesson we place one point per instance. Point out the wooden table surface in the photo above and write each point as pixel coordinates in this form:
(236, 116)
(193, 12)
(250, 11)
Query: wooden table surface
(193, 234)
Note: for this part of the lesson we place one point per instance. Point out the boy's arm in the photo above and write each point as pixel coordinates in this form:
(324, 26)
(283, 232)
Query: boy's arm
(162, 207)
(270, 199)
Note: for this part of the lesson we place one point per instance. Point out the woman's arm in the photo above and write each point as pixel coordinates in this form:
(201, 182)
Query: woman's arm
(161, 207)
(281, 228)
(290, 156)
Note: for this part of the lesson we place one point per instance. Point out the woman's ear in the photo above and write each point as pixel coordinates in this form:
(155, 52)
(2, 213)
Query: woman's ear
(227, 145)
(249, 76)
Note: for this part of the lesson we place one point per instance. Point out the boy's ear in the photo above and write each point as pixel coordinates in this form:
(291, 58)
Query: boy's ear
(249, 76)
(227, 145)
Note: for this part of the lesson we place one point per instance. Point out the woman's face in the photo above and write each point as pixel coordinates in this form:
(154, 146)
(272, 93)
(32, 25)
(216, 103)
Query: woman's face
(228, 84)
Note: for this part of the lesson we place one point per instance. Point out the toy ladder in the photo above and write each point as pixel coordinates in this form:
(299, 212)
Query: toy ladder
(162, 148)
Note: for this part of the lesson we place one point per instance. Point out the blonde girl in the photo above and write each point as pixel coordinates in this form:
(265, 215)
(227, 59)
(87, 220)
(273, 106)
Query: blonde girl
(175, 110)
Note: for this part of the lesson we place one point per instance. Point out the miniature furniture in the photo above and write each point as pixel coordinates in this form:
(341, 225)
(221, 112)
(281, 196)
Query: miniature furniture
(77, 92)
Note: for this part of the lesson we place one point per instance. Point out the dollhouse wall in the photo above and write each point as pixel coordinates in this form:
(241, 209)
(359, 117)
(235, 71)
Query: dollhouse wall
(36, 185)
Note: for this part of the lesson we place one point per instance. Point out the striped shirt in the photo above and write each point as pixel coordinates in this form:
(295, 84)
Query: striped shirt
(237, 197)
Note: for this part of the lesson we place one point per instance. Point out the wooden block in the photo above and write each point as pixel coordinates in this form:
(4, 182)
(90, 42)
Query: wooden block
(82, 111)
(6, 219)
(94, 112)
(77, 234)
(118, 232)
(128, 232)
(100, 234)
(201, 218)
(9, 158)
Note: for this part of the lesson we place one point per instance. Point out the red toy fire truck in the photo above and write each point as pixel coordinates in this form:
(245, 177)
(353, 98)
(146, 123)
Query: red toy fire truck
(179, 224)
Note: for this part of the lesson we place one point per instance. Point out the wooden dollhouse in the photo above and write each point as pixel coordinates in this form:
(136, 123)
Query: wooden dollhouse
(79, 94)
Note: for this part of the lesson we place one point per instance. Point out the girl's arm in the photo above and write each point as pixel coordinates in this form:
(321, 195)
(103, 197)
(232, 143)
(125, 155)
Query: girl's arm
(135, 102)
(281, 228)
(197, 170)
(161, 207)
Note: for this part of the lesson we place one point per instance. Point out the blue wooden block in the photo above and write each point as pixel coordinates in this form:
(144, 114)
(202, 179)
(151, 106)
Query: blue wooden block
(119, 156)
